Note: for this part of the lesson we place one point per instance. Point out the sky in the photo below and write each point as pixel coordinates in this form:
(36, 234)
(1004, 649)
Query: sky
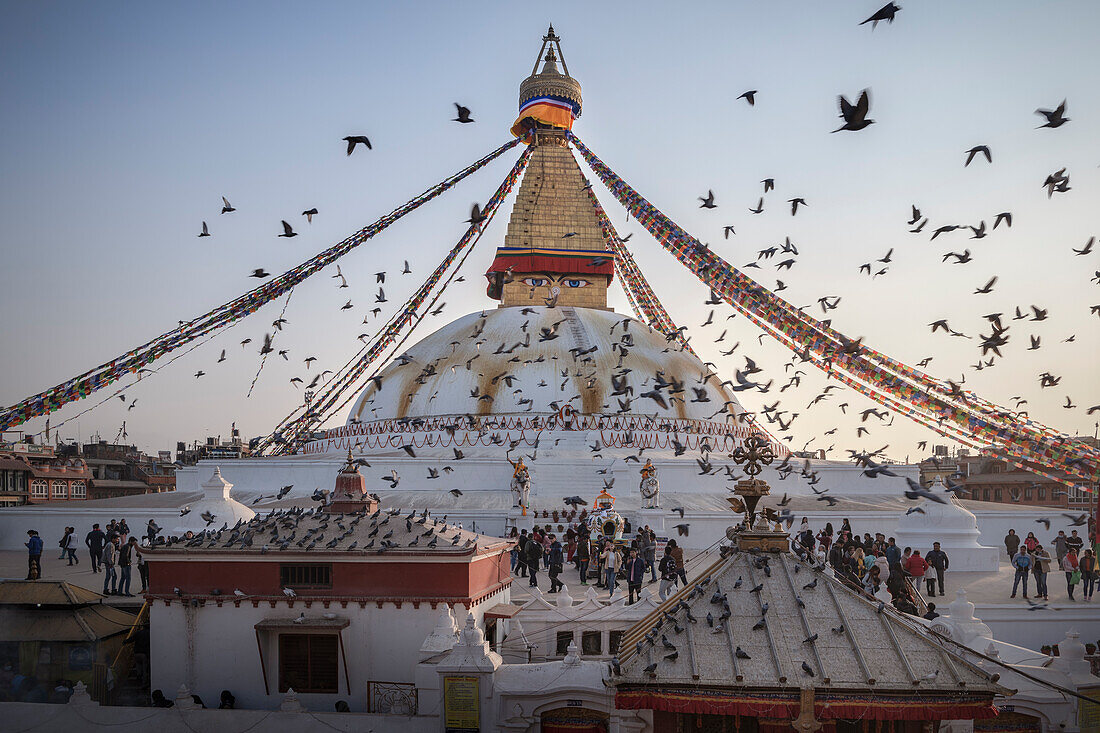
(124, 124)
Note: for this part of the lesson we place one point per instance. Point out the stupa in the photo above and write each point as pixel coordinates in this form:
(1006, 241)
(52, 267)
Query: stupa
(551, 376)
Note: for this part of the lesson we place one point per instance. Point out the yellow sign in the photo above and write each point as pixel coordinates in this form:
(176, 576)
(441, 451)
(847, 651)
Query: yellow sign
(1088, 713)
(461, 705)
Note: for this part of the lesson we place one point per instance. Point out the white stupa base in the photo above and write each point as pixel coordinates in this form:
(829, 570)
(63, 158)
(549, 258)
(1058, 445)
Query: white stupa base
(655, 518)
(955, 528)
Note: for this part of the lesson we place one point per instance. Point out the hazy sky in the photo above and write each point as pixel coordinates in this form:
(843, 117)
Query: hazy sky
(123, 124)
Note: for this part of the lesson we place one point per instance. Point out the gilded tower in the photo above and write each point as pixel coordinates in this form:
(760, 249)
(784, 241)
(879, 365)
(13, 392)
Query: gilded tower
(553, 252)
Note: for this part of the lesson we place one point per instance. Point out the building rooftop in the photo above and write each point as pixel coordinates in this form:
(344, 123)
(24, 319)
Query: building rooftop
(771, 620)
(45, 593)
(315, 531)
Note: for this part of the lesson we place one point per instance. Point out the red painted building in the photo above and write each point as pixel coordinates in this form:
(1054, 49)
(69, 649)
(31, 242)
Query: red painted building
(331, 602)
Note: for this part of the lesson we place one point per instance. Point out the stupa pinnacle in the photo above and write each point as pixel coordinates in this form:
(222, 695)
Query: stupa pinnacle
(554, 252)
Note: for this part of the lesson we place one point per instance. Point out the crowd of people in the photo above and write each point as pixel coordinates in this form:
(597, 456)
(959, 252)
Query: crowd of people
(607, 562)
(18, 687)
(1031, 559)
(112, 551)
(870, 563)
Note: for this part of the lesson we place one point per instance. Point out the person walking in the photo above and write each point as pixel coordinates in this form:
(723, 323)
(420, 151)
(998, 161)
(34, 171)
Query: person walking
(125, 566)
(916, 566)
(584, 556)
(557, 564)
(1060, 546)
(939, 561)
(95, 541)
(668, 573)
(1040, 566)
(635, 575)
(1088, 567)
(110, 560)
(1022, 562)
(522, 562)
(143, 568)
(649, 551)
(610, 561)
(34, 555)
(63, 542)
(1073, 571)
(70, 546)
(678, 556)
(1012, 543)
(1075, 542)
(534, 557)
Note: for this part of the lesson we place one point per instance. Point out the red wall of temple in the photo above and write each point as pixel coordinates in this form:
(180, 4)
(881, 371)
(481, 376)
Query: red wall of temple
(414, 580)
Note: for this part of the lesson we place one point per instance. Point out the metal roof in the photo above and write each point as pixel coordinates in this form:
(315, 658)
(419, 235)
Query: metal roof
(767, 620)
(45, 593)
(86, 623)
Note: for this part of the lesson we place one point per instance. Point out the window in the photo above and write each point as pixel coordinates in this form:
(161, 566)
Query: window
(39, 488)
(309, 663)
(614, 639)
(1042, 493)
(996, 494)
(59, 490)
(591, 643)
(565, 638)
(985, 494)
(77, 490)
(306, 576)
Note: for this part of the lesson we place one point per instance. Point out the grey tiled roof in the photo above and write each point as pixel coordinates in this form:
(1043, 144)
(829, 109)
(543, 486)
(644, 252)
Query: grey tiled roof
(847, 640)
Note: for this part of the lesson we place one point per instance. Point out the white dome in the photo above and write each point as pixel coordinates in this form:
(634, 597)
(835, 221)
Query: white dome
(506, 355)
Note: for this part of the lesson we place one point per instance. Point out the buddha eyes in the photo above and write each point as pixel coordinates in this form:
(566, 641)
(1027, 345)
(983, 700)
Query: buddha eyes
(538, 282)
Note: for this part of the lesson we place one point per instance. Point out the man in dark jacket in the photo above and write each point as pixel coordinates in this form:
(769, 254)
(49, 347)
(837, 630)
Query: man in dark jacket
(534, 557)
(1012, 543)
(937, 558)
(584, 556)
(34, 555)
(557, 561)
(635, 575)
(94, 540)
(521, 563)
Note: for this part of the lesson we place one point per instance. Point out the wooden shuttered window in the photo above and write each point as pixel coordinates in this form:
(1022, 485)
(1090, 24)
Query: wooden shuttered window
(309, 662)
(306, 575)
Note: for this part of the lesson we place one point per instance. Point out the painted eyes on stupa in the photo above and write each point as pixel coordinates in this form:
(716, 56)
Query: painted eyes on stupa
(538, 282)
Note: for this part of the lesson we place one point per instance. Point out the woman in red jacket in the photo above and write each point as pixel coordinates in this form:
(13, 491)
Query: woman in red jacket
(916, 566)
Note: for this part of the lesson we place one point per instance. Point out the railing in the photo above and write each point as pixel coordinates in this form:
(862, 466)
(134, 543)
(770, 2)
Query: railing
(392, 698)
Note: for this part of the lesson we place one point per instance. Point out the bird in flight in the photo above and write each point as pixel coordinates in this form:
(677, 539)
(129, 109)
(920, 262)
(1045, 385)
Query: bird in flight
(205, 231)
(886, 12)
(855, 116)
(287, 230)
(750, 97)
(260, 273)
(708, 202)
(309, 214)
(226, 206)
(463, 114)
(987, 288)
(1055, 117)
(353, 140)
(983, 149)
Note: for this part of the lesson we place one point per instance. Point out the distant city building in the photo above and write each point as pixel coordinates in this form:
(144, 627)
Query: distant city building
(213, 448)
(987, 478)
(32, 473)
(123, 470)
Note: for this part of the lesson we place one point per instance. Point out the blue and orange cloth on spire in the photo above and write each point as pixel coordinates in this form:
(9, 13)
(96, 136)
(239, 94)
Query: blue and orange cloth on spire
(546, 109)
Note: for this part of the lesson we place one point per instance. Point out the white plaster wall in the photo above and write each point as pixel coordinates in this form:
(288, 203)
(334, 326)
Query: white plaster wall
(381, 645)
